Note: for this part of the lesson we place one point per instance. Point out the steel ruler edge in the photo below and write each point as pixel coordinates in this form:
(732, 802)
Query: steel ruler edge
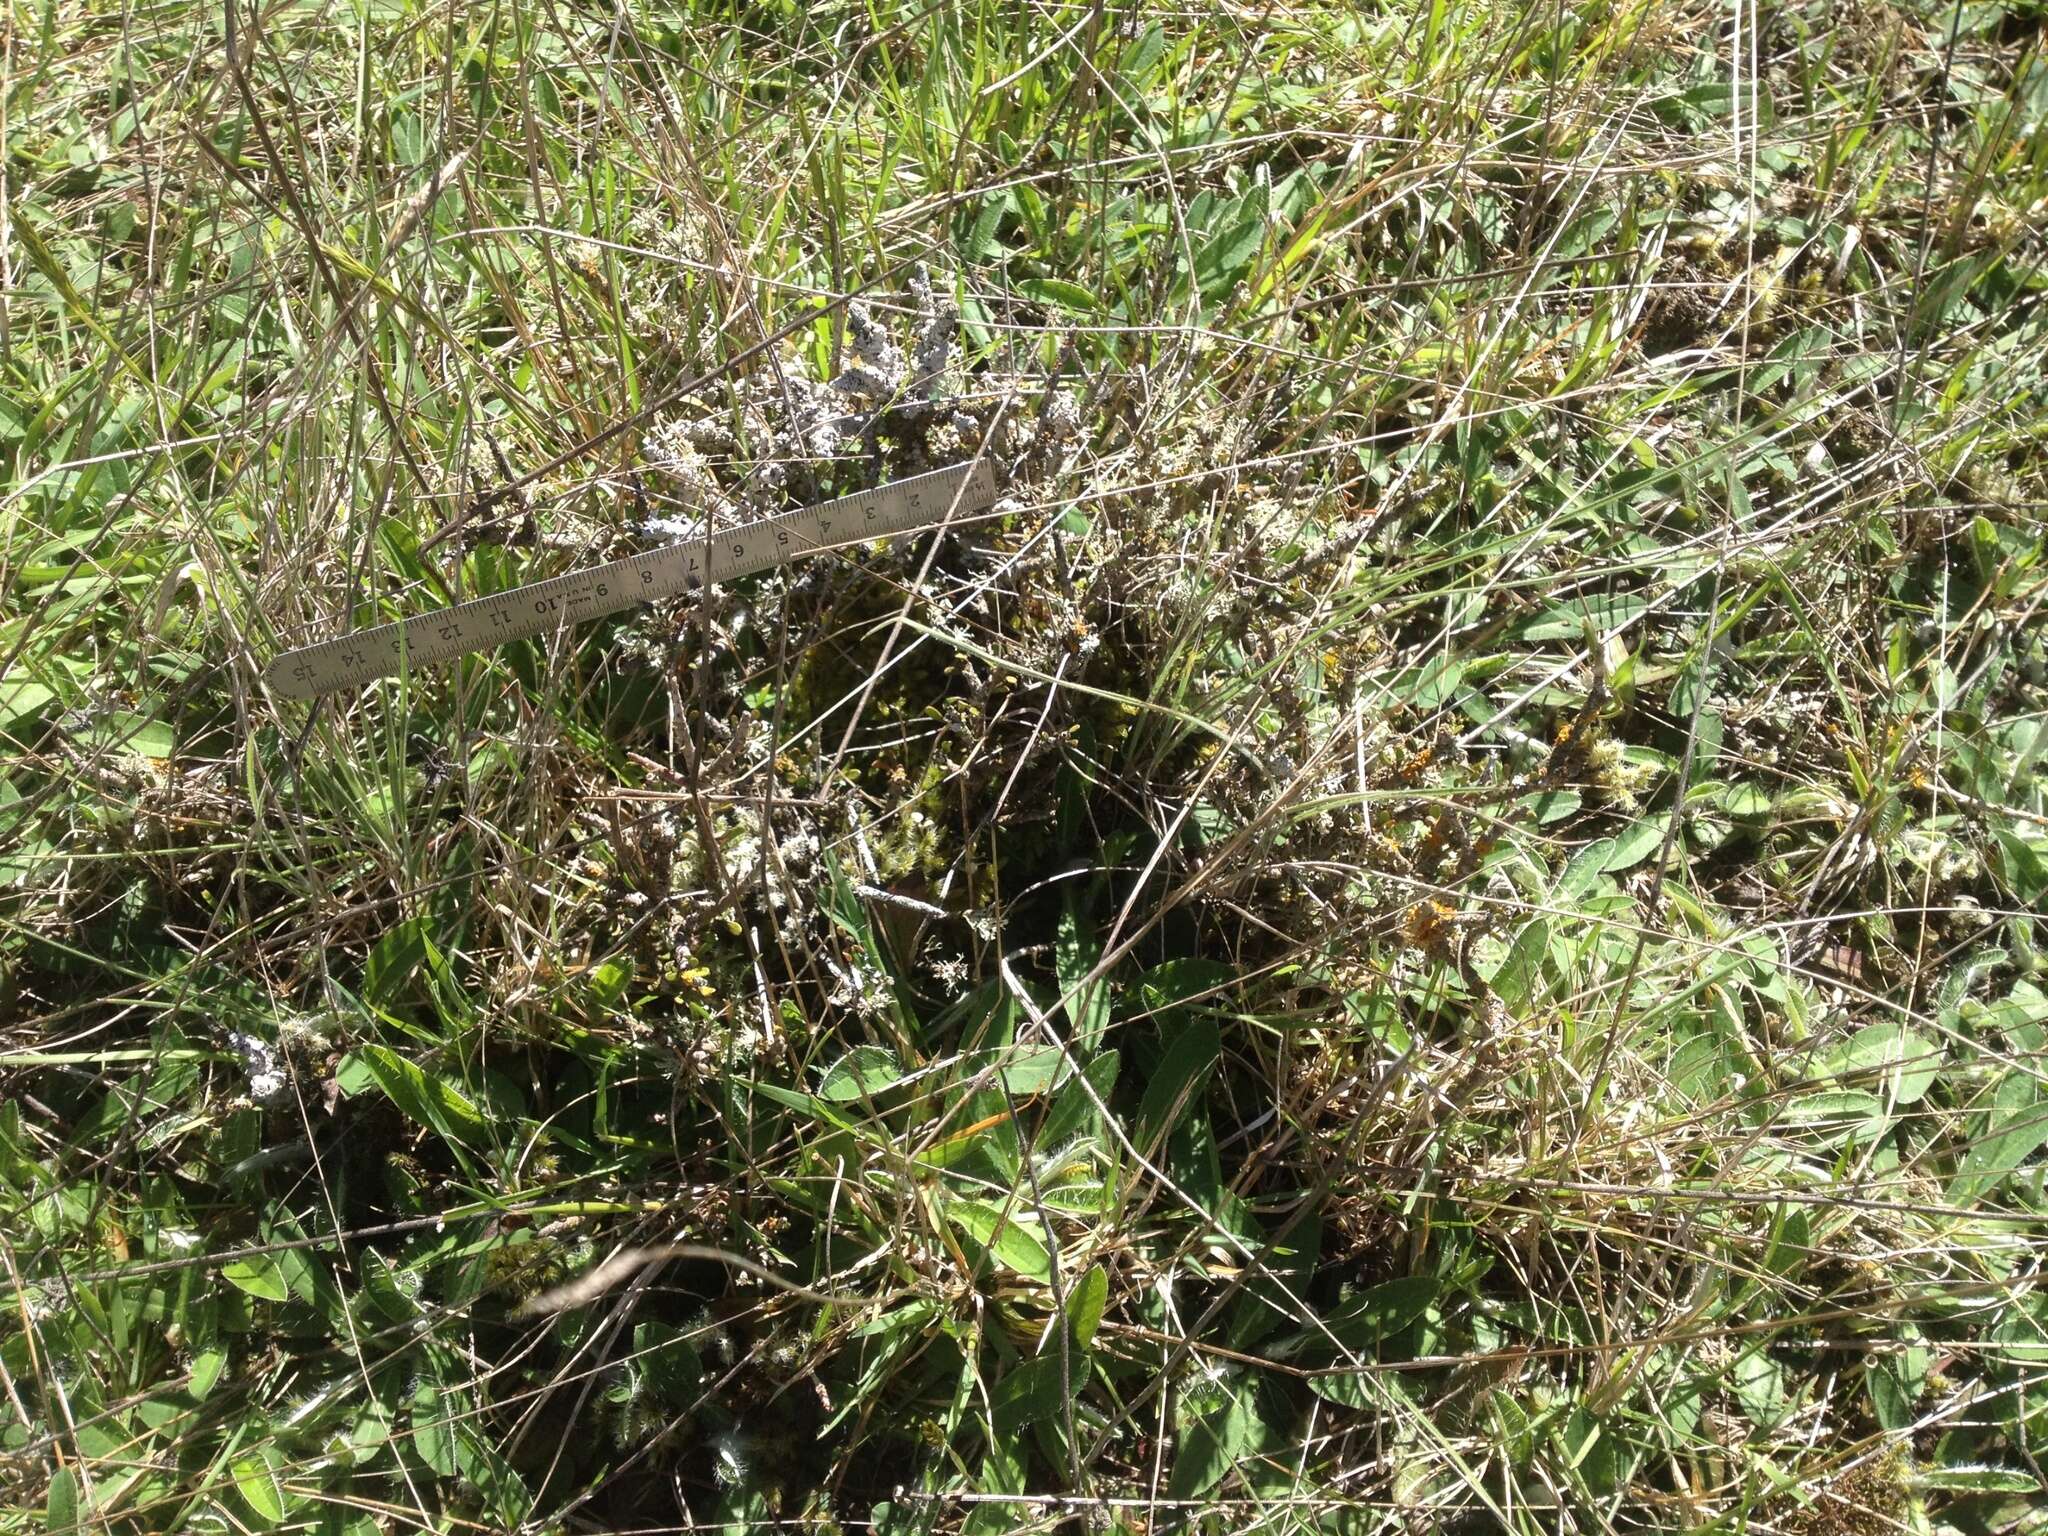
(902, 506)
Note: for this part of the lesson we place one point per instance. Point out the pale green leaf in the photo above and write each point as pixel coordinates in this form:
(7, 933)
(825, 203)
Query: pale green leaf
(1016, 1247)
(861, 1072)
(430, 1099)
(259, 1275)
(256, 1482)
(1085, 1303)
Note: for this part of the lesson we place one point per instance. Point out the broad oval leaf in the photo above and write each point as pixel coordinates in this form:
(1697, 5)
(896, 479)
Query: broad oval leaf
(861, 1072)
(207, 1365)
(2018, 1129)
(387, 1292)
(1837, 1115)
(256, 1482)
(1208, 1450)
(1075, 952)
(1033, 1392)
(1636, 844)
(1225, 258)
(1061, 294)
(1897, 1061)
(1015, 1247)
(394, 958)
(433, 1435)
(1085, 1303)
(260, 1276)
(1029, 1069)
(1976, 1480)
(1382, 1310)
(60, 1506)
(1181, 1072)
(1174, 982)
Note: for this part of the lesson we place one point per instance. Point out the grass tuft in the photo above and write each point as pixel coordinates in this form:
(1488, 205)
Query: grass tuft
(1433, 922)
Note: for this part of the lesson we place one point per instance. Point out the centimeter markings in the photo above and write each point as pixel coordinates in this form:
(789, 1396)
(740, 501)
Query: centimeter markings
(918, 501)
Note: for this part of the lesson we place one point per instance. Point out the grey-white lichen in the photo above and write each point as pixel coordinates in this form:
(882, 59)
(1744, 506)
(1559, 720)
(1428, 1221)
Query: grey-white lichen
(263, 1065)
(877, 368)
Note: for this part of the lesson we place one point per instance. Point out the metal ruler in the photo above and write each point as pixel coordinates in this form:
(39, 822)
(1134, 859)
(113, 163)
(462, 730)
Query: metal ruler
(903, 506)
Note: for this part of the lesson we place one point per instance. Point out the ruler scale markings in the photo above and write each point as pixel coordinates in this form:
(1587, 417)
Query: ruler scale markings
(902, 506)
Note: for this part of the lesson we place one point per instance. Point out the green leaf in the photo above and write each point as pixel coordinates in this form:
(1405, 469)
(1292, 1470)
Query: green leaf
(1904, 1062)
(1273, 1298)
(1002, 1471)
(1072, 1109)
(136, 735)
(1032, 1392)
(2023, 1006)
(957, 1148)
(863, 1071)
(1585, 231)
(1892, 1396)
(1759, 1384)
(1029, 1069)
(1074, 955)
(1381, 1311)
(207, 1364)
(1061, 294)
(609, 980)
(352, 1075)
(1791, 1242)
(1138, 61)
(386, 1292)
(2022, 1334)
(260, 1276)
(20, 698)
(978, 235)
(60, 1507)
(394, 958)
(1522, 966)
(1376, 1314)
(370, 1431)
(1513, 1427)
(670, 1361)
(1569, 621)
(745, 1510)
(1636, 844)
(1743, 800)
(1085, 1303)
(1592, 1454)
(1188, 1061)
(256, 1481)
(1016, 1248)
(432, 1101)
(849, 911)
(1583, 872)
(1551, 805)
(1166, 987)
(804, 1103)
(1210, 1448)
(480, 1464)
(2019, 1128)
(1223, 259)
(1975, 1480)
(1428, 684)
(433, 1437)
(1839, 1115)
